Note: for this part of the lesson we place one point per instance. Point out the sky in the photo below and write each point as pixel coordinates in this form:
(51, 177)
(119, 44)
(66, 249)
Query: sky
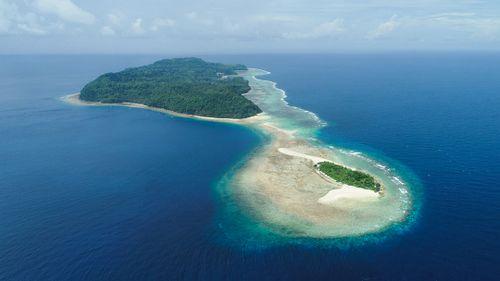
(235, 26)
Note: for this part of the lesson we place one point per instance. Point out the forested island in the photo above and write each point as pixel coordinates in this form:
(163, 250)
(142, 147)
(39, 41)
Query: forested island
(184, 85)
(348, 176)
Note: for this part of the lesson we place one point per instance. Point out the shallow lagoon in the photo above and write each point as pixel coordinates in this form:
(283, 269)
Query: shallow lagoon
(281, 193)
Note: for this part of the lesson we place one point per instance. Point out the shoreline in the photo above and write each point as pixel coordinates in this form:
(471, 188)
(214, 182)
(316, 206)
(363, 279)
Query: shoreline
(280, 186)
(74, 99)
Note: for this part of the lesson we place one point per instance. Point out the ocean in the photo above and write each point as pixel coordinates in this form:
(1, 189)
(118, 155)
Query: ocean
(111, 193)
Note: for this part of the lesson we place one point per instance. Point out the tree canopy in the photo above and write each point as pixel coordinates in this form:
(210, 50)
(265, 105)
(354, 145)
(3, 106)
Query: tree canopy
(348, 176)
(184, 85)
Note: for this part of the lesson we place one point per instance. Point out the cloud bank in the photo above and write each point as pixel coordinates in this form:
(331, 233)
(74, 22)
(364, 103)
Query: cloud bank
(237, 26)
(65, 10)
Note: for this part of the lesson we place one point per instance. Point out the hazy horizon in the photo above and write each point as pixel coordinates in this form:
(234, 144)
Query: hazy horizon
(236, 27)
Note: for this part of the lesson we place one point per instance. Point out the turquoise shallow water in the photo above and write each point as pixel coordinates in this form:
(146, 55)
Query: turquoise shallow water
(260, 217)
(106, 193)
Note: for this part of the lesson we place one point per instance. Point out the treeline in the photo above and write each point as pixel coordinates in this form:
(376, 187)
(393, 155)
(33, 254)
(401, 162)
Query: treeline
(184, 85)
(348, 176)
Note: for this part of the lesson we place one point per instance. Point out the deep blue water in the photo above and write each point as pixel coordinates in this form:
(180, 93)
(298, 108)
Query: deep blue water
(127, 194)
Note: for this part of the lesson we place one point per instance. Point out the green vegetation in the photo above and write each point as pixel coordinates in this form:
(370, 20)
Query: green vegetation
(348, 176)
(184, 85)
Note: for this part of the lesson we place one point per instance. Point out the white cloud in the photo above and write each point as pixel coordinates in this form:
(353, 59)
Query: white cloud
(12, 21)
(477, 27)
(265, 26)
(159, 23)
(384, 28)
(108, 31)
(326, 29)
(7, 11)
(31, 29)
(30, 25)
(137, 26)
(460, 26)
(65, 10)
(268, 18)
(451, 15)
(115, 18)
(488, 28)
(195, 17)
(329, 28)
(230, 26)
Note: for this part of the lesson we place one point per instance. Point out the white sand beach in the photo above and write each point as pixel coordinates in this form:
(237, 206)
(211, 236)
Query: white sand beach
(75, 100)
(290, 152)
(347, 193)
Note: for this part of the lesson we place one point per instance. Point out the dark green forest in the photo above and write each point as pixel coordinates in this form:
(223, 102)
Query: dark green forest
(348, 176)
(184, 85)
